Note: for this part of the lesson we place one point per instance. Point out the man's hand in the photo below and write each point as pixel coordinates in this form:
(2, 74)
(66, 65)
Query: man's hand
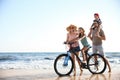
(101, 37)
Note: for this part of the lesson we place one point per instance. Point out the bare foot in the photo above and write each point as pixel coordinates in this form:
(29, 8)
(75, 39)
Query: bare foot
(109, 71)
(81, 69)
(74, 73)
(81, 72)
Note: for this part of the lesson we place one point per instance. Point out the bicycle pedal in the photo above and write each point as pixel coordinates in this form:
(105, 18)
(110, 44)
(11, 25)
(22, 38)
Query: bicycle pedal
(84, 65)
(97, 62)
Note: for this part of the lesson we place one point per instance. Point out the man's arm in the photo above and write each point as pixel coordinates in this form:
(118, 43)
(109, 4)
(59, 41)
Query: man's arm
(102, 35)
(90, 37)
(90, 34)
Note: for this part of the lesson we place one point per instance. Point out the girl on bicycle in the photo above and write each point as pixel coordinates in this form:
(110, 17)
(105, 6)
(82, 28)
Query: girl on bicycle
(84, 42)
(72, 34)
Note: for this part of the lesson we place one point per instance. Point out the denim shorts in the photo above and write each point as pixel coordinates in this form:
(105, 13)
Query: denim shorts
(75, 49)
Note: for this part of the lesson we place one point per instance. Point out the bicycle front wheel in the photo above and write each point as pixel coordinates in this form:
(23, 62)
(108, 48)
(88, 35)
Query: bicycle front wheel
(96, 64)
(60, 68)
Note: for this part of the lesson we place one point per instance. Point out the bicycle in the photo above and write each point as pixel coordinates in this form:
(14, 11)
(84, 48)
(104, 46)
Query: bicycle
(63, 64)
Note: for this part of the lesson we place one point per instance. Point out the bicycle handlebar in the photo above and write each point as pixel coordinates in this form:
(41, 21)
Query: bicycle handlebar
(70, 43)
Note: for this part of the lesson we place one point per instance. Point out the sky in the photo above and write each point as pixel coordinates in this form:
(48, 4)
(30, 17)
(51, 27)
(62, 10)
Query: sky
(40, 25)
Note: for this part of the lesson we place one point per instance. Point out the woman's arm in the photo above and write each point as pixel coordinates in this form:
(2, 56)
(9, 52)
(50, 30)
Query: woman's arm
(67, 38)
(82, 37)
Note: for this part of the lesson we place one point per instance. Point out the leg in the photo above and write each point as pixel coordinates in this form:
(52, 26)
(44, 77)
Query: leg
(100, 49)
(73, 57)
(79, 62)
(108, 64)
(83, 53)
(94, 49)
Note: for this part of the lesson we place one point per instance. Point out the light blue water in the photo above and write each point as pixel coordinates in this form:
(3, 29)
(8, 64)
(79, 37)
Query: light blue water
(39, 60)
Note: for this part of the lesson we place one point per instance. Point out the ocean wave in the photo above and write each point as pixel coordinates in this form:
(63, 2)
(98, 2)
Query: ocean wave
(39, 60)
(25, 58)
(43, 64)
(4, 58)
(48, 58)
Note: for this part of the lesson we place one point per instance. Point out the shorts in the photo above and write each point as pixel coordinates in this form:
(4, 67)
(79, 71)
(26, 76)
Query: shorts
(98, 49)
(75, 49)
(88, 46)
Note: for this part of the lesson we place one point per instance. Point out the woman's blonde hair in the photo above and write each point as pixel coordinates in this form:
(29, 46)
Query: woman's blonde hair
(71, 27)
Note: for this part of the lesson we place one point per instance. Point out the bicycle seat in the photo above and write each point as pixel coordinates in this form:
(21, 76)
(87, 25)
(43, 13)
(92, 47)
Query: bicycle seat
(86, 51)
(88, 47)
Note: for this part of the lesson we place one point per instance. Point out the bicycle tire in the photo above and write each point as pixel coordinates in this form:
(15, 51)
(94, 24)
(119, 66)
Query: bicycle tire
(63, 70)
(96, 65)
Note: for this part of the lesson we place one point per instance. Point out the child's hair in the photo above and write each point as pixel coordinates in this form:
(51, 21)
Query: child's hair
(99, 20)
(82, 29)
(96, 14)
(81, 35)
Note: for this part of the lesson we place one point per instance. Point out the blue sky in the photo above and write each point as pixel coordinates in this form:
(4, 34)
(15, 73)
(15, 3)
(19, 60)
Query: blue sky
(40, 25)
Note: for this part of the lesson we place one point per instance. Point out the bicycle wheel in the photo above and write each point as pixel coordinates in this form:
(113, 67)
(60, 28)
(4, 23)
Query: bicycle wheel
(96, 64)
(60, 68)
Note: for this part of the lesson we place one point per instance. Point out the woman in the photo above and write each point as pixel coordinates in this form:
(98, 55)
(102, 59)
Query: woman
(72, 34)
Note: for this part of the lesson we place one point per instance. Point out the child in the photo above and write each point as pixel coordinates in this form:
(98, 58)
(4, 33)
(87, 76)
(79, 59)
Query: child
(84, 42)
(72, 34)
(98, 20)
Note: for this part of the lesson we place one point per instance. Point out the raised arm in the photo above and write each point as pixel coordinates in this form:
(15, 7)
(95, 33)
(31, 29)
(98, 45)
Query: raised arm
(90, 34)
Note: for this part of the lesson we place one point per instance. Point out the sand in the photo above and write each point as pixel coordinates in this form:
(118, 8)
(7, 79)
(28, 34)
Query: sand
(49, 74)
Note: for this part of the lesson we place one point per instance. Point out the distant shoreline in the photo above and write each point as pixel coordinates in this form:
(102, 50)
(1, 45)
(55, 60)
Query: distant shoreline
(44, 52)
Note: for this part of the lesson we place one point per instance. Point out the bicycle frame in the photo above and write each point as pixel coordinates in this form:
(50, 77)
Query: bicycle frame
(73, 52)
(64, 64)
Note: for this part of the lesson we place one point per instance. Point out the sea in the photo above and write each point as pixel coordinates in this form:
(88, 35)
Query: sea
(40, 60)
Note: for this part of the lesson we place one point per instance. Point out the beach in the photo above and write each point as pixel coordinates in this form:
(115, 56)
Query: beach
(49, 74)
(39, 66)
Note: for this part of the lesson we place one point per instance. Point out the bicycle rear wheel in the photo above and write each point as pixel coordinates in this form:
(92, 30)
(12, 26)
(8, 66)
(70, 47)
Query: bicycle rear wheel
(96, 64)
(60, 68)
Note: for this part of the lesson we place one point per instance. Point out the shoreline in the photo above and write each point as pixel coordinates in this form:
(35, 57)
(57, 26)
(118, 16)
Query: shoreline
(47, 74)
(45, 71)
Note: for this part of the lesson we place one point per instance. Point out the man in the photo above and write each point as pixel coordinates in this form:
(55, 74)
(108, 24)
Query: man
(97, 41)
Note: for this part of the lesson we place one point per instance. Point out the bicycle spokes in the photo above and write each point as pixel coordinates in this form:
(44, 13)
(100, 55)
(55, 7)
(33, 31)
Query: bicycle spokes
(96, 64)
(63, 65)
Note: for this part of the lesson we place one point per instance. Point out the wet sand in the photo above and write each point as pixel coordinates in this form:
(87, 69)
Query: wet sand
(46, 74)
